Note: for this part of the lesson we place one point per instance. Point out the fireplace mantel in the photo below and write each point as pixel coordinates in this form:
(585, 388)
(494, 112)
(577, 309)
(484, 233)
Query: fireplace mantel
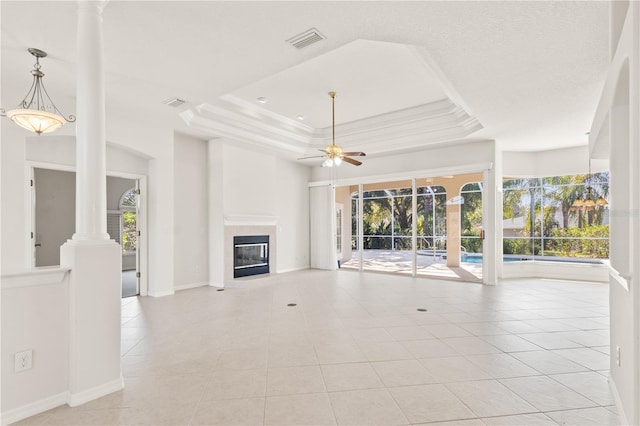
(250, 220)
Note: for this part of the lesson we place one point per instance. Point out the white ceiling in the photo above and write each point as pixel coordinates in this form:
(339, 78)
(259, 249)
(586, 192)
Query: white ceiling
(529, 72)
(367, 73)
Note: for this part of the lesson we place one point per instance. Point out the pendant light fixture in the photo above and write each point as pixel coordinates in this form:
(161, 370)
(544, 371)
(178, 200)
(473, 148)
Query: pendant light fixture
(37, 112)
(588, 203)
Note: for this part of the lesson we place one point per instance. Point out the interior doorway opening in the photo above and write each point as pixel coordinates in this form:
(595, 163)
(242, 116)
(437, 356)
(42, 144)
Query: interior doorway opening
(53, 197)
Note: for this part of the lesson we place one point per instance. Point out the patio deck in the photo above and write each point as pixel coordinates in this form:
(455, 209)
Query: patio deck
(399, 261)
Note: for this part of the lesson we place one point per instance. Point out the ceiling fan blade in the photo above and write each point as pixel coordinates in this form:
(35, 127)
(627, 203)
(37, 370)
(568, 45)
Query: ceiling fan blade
(351, 161)
(313, 156)
(354, 154)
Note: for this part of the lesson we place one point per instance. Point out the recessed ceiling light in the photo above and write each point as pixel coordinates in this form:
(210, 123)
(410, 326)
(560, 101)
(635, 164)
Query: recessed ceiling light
(300, 117)
(262, 100)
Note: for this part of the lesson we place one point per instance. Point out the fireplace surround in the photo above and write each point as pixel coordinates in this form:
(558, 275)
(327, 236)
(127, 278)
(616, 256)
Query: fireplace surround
(247, 225)
(250, 255)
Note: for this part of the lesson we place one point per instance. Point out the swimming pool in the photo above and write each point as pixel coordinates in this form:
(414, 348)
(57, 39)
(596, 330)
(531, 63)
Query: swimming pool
(477, 258)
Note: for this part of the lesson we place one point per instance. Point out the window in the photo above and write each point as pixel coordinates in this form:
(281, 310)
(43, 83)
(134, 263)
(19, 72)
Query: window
(388, 220)
(471, 217)
(539, 219)
(339, 229)
(128, 224)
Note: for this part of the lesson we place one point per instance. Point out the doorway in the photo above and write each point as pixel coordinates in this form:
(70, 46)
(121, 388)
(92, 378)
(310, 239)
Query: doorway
(445, 212)
(122, 226)
(53, 220)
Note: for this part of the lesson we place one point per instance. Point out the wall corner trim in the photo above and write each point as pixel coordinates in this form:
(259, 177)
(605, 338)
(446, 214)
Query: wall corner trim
(616, 397)
(80, 398)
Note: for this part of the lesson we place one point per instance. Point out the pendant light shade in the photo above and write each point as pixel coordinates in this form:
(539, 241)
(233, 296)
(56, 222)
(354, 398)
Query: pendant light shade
(37, 112)
(35, 120)
(578, 203)
(587, 202)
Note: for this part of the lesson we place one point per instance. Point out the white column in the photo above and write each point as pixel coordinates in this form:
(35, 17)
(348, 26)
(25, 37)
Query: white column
(95, 280)
(414, 228)
(360, 227)
(91, 185)
(216, 213)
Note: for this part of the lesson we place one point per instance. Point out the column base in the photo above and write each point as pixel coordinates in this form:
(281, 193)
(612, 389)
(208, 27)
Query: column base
(95, 292)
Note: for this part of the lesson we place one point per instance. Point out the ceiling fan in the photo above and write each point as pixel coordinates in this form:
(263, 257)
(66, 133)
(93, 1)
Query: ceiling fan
(333, 153)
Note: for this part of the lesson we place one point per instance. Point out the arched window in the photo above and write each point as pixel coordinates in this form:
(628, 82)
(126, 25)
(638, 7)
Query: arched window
(128, 225)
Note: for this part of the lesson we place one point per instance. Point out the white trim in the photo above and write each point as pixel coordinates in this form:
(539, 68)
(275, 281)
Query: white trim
(191, 285)
(407, 175)
(33, 408)
(619, 278)
(616, 398)
(80, 398)
(434, 122)
(295, 269)
(30, 223)
(250, 220)
(143, 240)
(160, 293)
(596, 273)
(47, 275)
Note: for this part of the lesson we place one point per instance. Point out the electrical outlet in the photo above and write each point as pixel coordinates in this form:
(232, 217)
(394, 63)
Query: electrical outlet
(618, 356)
(23, 360)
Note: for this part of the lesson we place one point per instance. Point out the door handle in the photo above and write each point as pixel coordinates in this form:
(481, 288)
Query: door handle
(38, 245)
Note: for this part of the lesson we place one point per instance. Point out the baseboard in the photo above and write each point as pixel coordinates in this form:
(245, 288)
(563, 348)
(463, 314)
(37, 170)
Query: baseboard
(161, 293)
(80, 398)
(218, 285)
(33, 408)
(616, 397)
(298, 268)
(190, 285)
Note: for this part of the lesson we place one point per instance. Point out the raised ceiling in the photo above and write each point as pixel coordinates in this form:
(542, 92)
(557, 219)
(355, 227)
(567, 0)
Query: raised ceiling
(527, 74)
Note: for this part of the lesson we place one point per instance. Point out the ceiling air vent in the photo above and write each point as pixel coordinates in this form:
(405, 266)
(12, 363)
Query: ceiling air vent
(174, 102)
(306, 38)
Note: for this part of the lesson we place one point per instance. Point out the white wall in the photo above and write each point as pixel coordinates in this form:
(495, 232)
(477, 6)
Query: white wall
(28, 304)
(250, 181)
(149, 150)
(461, 158)
(246, 181)
(191, 231)
(13, 228)
(616, 133)
(557, 162)
(292, 210)
(19, 150)
(155, 141)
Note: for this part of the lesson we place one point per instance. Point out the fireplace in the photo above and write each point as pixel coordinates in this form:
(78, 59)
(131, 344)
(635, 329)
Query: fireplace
(250, 255)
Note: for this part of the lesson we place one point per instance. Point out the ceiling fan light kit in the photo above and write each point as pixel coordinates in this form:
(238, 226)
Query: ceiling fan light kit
(333, 154)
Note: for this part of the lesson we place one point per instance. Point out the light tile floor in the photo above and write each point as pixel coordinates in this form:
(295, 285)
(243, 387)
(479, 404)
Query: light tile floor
(355, 351)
